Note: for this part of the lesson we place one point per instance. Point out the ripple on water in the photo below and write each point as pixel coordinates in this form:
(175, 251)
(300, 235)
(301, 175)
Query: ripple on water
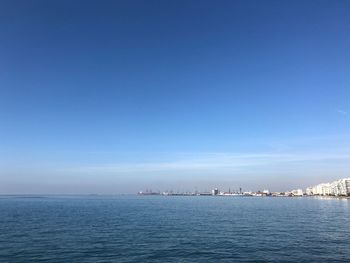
(173, 229)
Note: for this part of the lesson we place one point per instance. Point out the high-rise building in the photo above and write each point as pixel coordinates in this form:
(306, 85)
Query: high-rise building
(340, 187)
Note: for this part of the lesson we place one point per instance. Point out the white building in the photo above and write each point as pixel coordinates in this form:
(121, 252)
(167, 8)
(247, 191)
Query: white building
(297, 192)
(338, 188)
(266, 192)
(309, 191)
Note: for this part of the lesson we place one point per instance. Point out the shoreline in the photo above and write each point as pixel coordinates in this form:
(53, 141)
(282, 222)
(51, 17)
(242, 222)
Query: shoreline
(240, 196)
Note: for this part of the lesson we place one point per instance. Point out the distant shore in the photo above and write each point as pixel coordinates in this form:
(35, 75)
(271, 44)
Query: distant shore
(244, 195)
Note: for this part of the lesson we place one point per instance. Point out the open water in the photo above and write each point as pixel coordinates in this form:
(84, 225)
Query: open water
(173, 229)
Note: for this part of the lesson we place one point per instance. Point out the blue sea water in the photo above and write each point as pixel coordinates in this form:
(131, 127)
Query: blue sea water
(173, 229)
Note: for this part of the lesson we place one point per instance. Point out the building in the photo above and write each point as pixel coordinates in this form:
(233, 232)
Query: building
(340, 187)
(266, 192)
(309, 191)
(215, 191)
(297, 192)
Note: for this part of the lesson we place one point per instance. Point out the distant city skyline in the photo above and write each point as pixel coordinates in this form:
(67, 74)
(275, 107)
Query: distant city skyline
(118, 96)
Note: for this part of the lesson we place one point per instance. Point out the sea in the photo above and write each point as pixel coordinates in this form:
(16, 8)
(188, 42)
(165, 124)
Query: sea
(130, 228)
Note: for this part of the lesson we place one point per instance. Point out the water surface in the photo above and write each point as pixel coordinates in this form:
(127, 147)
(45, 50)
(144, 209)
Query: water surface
(173, 229)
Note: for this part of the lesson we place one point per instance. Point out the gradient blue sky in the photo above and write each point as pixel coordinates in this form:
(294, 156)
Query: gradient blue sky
(120, 96)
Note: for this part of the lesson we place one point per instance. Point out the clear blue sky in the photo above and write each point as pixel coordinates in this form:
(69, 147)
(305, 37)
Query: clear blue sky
(119, 96)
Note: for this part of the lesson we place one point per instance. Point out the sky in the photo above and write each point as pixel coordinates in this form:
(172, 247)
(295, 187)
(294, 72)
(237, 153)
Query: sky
(110, 97)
